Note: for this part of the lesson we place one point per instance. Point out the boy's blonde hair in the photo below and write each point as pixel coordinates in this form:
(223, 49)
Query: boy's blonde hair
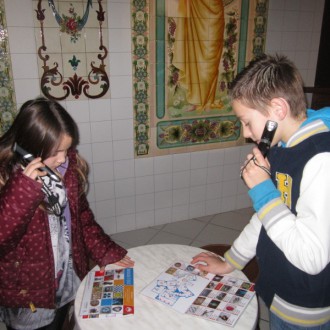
(269, 77)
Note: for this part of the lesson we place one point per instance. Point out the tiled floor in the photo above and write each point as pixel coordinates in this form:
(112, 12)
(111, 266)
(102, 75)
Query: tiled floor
(219, 228)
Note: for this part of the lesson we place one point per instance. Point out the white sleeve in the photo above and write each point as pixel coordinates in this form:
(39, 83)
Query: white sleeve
(305, 238)
(244, 247)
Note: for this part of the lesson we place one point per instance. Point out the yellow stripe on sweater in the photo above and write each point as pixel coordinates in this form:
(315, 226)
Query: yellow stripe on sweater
(308, 134)
(296, 320)
(269, 208)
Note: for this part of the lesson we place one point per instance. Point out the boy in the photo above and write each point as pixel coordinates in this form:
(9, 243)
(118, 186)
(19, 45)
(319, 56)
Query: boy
(290, 231)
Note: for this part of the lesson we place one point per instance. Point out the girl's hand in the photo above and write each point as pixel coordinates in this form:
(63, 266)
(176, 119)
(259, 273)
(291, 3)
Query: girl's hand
(212, 263)
(32, 171)
(254, 171)
(125, 262)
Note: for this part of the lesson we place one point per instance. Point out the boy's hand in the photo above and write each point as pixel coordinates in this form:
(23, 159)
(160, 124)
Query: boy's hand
(212, 263)
(254, 172)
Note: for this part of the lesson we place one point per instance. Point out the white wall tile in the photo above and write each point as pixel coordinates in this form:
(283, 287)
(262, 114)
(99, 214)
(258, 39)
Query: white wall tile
(198, 177)
(307, 5)
(85, 135)
(21, 70)
(232, 155)
(119, 15)
(120, 40)
(198, 159)
(105, 209)
(276, 5)
(197, 210)
(125, 187)
(122, 129)
(213, 191)
(102, 152)
(103, 172)
(275, 20)
(229, 188)
(22, 41)
(215, 157)
(290, 20)
(228, 203)
(145, 219)
(108, 224)
(125, 222)
(180, 212)
(101, 131)
(163, 164)
(214, 174)
(145, 202)
(181, 179)
(181, 162)
(125, 205)
(163, 182)
(79, 110)
(274, 41)
(104, 190)
(181, 196)
(123, 149)
(197, 194)
(163, 216)
(121, 108)
(100, 110)
(124, 169)
(145, 185)
(144, 166)
(293, 5)
(231, 172)
(121, 86)
(163, 199)
(26, 89)
(121, 64)
(212, 206)
(19, 13)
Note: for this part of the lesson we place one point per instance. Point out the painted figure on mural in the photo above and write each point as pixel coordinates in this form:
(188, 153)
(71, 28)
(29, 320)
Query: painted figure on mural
(197, 50)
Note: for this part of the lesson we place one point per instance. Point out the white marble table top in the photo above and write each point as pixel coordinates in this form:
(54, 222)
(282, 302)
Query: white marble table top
(150, 261)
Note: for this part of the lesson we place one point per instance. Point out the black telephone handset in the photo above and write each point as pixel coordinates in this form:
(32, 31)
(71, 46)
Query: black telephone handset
(27, 157)
(267, 137)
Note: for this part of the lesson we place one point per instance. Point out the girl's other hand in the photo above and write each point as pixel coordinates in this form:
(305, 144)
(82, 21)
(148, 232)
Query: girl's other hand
(125, 262)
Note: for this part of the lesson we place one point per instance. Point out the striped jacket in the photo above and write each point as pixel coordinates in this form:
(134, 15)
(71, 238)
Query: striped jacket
(290, 233)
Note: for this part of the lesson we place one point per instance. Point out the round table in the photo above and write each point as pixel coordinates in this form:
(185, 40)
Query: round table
(150, 261)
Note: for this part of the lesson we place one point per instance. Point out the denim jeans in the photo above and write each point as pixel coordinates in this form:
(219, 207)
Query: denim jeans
(278, 324)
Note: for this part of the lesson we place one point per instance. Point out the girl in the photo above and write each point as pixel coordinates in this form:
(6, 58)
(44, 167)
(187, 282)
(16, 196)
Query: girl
(47, 230)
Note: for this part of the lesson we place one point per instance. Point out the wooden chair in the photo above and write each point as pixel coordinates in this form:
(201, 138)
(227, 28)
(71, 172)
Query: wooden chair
(251, 270)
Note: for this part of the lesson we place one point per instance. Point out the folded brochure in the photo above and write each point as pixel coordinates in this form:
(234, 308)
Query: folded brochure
(108, 293)
(213, 297)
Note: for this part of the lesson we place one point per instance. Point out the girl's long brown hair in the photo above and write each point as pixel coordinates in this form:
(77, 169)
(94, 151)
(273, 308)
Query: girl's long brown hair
(38, 128)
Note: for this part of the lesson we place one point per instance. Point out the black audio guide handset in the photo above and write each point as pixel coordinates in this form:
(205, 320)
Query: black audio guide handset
(28, 157)
(264, 145)
(267, 137)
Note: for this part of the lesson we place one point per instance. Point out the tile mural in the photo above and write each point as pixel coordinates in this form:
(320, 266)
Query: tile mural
(72, 47)
(8, 107)
(185, 53)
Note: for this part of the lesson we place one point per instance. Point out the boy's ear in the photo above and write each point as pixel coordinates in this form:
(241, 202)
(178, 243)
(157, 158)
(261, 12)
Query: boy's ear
(280, 107)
